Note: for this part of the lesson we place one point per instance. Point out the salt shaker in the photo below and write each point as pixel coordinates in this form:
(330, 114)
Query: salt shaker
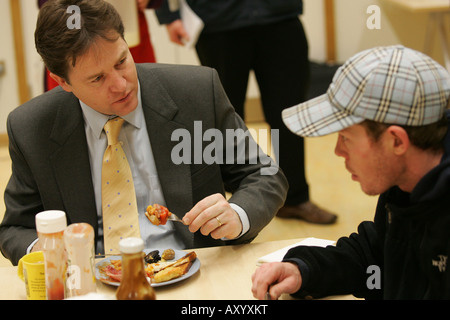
(79, 243)
(50, 226)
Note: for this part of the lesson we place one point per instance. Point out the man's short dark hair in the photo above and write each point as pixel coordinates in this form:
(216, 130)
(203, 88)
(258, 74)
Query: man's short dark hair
(59, 46)
(429, 137)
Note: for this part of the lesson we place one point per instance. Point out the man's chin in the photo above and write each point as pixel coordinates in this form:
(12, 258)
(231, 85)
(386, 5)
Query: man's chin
(126, 108)
(370, 192)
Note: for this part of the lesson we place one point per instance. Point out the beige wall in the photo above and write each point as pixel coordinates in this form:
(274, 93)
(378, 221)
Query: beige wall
(352, 35)
(397, 26)
(8, 85)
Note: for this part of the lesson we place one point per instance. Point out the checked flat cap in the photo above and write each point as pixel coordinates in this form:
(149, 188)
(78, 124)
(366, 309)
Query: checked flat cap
(393, 85)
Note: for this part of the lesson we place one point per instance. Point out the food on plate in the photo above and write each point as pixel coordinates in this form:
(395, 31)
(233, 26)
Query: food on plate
(157, 214)
(113, 272)
(153, 257)
(164, 269)
(172, 272)
(154, 268)
(168, 254)
(179, 268)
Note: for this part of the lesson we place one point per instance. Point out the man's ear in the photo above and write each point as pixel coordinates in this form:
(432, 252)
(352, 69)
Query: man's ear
(62, 82)
(399, 139)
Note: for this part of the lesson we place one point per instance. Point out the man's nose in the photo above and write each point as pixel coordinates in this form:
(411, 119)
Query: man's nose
(118, 82)
(338, 150)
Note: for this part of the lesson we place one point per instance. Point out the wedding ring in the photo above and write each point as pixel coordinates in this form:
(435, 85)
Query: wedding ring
(220, 222)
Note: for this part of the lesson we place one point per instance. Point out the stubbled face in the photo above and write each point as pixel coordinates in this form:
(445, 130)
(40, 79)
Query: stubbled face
(370, 163)
(105, 78)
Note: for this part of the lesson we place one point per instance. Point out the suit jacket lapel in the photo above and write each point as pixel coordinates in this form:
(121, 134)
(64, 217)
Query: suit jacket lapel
(70, 163)
(159, 110)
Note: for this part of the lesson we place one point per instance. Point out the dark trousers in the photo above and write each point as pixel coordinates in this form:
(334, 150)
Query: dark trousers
(278, 55)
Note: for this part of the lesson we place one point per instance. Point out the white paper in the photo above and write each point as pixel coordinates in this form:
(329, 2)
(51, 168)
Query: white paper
(278, 255)
(191, 22)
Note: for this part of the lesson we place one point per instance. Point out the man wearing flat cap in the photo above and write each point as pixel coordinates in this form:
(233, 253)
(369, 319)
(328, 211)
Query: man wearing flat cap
(389, 106)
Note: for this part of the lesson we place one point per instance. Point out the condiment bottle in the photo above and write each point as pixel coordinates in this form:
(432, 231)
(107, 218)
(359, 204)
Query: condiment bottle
(134, 284)
(50, 226)
(79, 242)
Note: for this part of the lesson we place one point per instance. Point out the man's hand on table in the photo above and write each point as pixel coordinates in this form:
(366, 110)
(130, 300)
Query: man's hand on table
(276, 278)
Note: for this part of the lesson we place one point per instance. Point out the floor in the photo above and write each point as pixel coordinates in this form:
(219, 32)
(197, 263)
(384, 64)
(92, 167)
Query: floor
(330, 187)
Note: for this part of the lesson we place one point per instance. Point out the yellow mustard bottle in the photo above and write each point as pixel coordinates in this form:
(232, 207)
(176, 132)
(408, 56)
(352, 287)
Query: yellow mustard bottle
(134, 284)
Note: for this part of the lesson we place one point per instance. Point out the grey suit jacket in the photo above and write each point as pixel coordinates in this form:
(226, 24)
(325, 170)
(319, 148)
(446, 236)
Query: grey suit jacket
(51, 170)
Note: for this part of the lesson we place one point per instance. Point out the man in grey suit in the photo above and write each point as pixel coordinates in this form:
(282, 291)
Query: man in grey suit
(57, 141)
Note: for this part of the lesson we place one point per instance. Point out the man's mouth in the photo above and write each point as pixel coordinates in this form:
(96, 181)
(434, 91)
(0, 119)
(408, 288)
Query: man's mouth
(354, 176)
(124, 99)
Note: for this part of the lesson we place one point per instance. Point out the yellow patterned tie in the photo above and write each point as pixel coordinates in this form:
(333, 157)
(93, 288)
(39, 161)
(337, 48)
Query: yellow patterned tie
(120, 214)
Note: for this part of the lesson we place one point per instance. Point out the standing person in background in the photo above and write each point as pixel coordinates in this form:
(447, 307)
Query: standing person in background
(268, 38)
(142, 53)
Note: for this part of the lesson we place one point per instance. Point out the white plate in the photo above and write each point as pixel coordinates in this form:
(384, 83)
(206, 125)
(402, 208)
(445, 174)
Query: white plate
(178, 254)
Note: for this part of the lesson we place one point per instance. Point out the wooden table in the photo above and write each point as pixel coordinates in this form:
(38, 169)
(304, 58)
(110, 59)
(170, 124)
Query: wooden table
(225, 274)
(437, 10)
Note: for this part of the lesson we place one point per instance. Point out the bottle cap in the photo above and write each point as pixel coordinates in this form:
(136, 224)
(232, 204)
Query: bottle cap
(131, 245)
(51, 221)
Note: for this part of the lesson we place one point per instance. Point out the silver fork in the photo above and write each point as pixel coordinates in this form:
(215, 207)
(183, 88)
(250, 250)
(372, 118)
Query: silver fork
(174, 217)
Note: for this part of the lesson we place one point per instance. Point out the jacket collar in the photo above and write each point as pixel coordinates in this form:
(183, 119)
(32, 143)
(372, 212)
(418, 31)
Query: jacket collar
(160, 112)
(70, 160)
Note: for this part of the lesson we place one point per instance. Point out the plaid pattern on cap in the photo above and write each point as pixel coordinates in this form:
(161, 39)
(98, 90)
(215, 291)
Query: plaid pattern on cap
(393, 85)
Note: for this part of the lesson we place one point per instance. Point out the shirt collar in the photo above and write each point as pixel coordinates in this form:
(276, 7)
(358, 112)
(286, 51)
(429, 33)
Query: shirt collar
(96, 120)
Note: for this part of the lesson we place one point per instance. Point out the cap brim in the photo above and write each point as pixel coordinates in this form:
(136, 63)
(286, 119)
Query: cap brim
(317, 117)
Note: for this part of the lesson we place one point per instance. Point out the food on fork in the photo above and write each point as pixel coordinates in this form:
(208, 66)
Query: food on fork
(157, 214)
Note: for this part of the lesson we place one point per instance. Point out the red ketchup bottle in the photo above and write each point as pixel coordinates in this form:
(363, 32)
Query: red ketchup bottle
(50, 226)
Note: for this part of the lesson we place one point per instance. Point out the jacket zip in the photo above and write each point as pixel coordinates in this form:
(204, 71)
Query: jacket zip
(389, 213)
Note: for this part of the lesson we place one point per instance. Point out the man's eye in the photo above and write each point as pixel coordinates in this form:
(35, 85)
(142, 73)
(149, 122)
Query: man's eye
(98, 79)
